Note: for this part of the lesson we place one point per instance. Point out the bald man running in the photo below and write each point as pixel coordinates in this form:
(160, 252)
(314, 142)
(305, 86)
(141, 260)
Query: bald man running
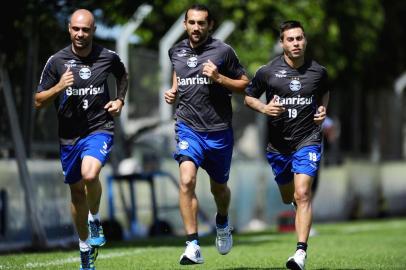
(75, 80)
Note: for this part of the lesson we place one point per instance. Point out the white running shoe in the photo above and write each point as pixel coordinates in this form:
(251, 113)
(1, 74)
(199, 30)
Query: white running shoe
(297, 261)
(224, 239)
(192, 254)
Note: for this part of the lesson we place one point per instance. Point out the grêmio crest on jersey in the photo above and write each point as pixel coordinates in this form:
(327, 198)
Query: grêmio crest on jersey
(295, 84)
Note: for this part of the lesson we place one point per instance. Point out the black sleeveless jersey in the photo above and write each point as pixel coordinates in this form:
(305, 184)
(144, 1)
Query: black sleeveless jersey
(204, 105)
(299, 90)
(80, 107)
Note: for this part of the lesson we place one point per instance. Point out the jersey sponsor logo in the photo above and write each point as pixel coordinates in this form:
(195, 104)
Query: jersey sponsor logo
(70, 91)
(71, 63)
(281, 74)
(194, 80)
(192, 62)
(182, 53)
(294, 100)
(85, 73)
(295, 85)
(183, 145)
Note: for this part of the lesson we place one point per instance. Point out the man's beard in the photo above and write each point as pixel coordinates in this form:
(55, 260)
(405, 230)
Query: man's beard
(200, 39)
(82, 45)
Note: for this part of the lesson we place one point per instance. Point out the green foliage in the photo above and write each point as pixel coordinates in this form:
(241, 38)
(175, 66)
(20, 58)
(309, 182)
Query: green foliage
(332, 28)
(352, 29)
(353, 39)
(342, 34)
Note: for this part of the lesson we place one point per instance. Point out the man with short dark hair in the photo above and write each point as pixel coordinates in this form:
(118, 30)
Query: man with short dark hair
(297, 98)
(206, 72)
(75, 78)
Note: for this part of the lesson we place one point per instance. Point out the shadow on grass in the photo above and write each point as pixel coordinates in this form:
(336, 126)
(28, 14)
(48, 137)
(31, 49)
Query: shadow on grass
(246, 239)
(276, 268)
(240, 239)
(255, 268)
(339, 269)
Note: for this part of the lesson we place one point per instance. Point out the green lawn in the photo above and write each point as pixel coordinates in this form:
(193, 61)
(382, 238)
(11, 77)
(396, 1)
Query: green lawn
(375, 244)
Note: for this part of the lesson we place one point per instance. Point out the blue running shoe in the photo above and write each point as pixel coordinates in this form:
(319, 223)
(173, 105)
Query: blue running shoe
(87, 259)
(96, 238)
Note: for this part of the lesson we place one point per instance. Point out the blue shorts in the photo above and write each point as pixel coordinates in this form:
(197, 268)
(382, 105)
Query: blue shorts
(306, 160)
(97, 145)
(210, 150)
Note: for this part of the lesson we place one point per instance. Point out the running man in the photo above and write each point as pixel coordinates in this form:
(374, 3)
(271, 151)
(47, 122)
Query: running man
(206, 73)
(75, 79)
(296, 106)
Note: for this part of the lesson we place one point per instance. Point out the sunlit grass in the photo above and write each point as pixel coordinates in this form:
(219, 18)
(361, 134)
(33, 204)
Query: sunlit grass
(375, 244)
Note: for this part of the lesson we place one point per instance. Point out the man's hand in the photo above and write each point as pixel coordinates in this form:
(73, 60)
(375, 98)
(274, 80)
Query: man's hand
(273, 108)
(170, 96)
(114, 107)
(66, 80)
(211, 71)
(320, 115)
(42, 99)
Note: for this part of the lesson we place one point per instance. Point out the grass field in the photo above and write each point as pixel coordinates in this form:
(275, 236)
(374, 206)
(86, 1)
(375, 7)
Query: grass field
(372, 244)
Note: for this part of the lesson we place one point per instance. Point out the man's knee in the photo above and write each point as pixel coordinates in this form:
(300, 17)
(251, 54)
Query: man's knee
(302, 194)
(90, 177)
(187, 183)
(90, 170)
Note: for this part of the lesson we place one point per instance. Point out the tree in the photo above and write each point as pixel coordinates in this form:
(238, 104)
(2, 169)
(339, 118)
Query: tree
(351, 38)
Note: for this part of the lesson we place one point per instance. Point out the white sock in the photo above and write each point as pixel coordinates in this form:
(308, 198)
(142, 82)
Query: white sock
(94, 217)
(83, 245)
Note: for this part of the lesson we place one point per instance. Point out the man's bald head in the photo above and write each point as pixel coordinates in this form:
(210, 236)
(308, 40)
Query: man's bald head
(81, 30)
(82, 15)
